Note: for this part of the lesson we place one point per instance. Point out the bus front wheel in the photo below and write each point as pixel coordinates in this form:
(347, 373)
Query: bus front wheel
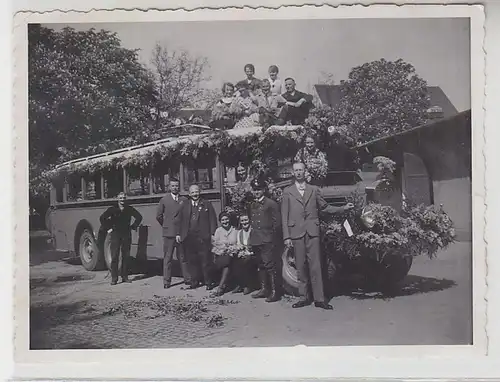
(89, 251)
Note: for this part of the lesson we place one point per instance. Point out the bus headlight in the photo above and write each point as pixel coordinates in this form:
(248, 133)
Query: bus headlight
(367, 217)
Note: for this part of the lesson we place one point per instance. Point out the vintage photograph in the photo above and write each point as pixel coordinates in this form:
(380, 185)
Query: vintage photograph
(250, 183)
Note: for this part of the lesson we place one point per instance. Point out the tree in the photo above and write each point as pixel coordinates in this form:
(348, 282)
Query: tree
(178, 77)
(87, 94)
(380, 98)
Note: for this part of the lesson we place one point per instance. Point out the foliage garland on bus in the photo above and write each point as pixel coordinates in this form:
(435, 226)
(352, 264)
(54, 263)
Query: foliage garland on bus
(232, 147)
(417, 230)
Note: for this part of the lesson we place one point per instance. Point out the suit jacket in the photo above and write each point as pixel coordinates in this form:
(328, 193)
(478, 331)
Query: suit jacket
(300, 214)
(165, 213)
(207, 220)
(266, 222)
(252, 86)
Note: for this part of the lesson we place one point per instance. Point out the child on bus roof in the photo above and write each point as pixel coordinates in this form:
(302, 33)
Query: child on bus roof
(277, 86)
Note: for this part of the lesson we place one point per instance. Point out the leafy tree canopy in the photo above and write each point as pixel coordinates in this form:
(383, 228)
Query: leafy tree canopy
(381, 98)
(87, 94)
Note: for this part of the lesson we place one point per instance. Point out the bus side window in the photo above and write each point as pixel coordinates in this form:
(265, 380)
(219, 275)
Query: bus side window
(74, 188)
(93, 184)
(137, 182)
(113, 183)
(201, 172)
(161, 178)
(58, 190)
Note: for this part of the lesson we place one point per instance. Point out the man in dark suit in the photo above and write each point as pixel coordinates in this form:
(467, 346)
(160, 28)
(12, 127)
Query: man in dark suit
(266, 226)
(165, 215)
(116, 219)
(298, 104)
(300, 210)
(195, 223)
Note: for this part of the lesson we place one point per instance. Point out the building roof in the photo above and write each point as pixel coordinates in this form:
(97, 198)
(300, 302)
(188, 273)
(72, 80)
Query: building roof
(331, 95)
(463, 114)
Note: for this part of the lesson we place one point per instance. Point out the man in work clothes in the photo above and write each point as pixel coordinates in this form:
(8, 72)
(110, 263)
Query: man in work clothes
(195, 223)
(116, 219)
(266, 226)
(300, 210)
(165, 215)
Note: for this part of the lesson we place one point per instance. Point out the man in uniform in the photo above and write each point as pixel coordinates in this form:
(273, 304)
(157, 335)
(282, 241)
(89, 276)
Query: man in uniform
(116, 219)
(165, 214)
(195, 223)
(266, 226)
(300, 210)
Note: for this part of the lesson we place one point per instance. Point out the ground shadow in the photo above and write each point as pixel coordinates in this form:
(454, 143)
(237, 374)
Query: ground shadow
(411, 285)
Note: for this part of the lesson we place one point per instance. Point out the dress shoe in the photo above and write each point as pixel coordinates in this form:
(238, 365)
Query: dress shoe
(194, 285)
(323, 305)
(238, 289)
(247, 290)
(166, 285)
(301, 303)
(114, 282)
(211, 286)
(126, 280)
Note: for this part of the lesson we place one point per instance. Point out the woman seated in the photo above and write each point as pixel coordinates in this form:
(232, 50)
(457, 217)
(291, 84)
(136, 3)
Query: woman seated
(245, 107)
(223, 116)
(245, 266)
(224, 244)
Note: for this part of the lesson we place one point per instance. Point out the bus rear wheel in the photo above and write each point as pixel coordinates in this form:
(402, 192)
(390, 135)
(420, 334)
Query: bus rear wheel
(88, 251)
(289, 272)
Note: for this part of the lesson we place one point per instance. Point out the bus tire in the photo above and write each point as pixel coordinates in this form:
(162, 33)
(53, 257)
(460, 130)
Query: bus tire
(88, 250)
(289, 272)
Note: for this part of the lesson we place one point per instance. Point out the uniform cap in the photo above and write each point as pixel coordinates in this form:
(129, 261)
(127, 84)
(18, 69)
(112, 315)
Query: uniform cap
(258, 184)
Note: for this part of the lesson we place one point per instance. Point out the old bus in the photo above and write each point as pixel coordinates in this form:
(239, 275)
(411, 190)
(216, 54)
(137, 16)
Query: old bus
(84, 188)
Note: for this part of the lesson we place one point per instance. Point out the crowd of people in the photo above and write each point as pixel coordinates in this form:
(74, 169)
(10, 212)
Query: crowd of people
(255, 102)
(191, 226)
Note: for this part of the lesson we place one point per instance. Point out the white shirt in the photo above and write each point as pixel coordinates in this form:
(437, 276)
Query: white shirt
(175, 197)
(260, 199)
(301, 187)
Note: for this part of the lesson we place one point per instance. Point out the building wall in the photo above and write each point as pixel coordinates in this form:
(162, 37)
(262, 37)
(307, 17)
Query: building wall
(445, 149)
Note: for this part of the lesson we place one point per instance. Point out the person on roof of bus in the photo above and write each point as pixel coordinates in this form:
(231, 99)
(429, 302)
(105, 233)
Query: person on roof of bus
(298, 104)
(270, 106)
(222, 116)
(277, 86)
(116, 219)
(250, 83)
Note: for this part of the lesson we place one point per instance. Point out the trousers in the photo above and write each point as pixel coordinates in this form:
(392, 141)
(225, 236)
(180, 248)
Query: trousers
(308, 263)
(120, 242)
(199, 257)
(169, 245)
(265, 255)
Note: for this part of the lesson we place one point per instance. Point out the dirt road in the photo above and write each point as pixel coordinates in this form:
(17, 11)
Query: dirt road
(74, 308)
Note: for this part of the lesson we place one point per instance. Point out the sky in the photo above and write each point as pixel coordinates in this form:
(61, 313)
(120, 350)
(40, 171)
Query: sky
(439, 49)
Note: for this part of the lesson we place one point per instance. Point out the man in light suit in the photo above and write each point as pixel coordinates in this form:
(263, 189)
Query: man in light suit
(300, 210)
(165, 214)
(195, 223)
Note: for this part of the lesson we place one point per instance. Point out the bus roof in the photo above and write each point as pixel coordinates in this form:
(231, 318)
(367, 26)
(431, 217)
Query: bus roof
(149, 147)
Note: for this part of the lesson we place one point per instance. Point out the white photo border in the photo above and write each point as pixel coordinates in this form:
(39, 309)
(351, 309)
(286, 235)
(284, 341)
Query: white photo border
(295, 362)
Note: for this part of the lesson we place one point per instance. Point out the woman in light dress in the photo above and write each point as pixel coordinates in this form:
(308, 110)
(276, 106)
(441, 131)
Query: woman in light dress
(225, 234)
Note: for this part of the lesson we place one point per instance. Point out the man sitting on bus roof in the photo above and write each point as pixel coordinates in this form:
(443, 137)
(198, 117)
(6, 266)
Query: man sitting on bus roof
(116, 219)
